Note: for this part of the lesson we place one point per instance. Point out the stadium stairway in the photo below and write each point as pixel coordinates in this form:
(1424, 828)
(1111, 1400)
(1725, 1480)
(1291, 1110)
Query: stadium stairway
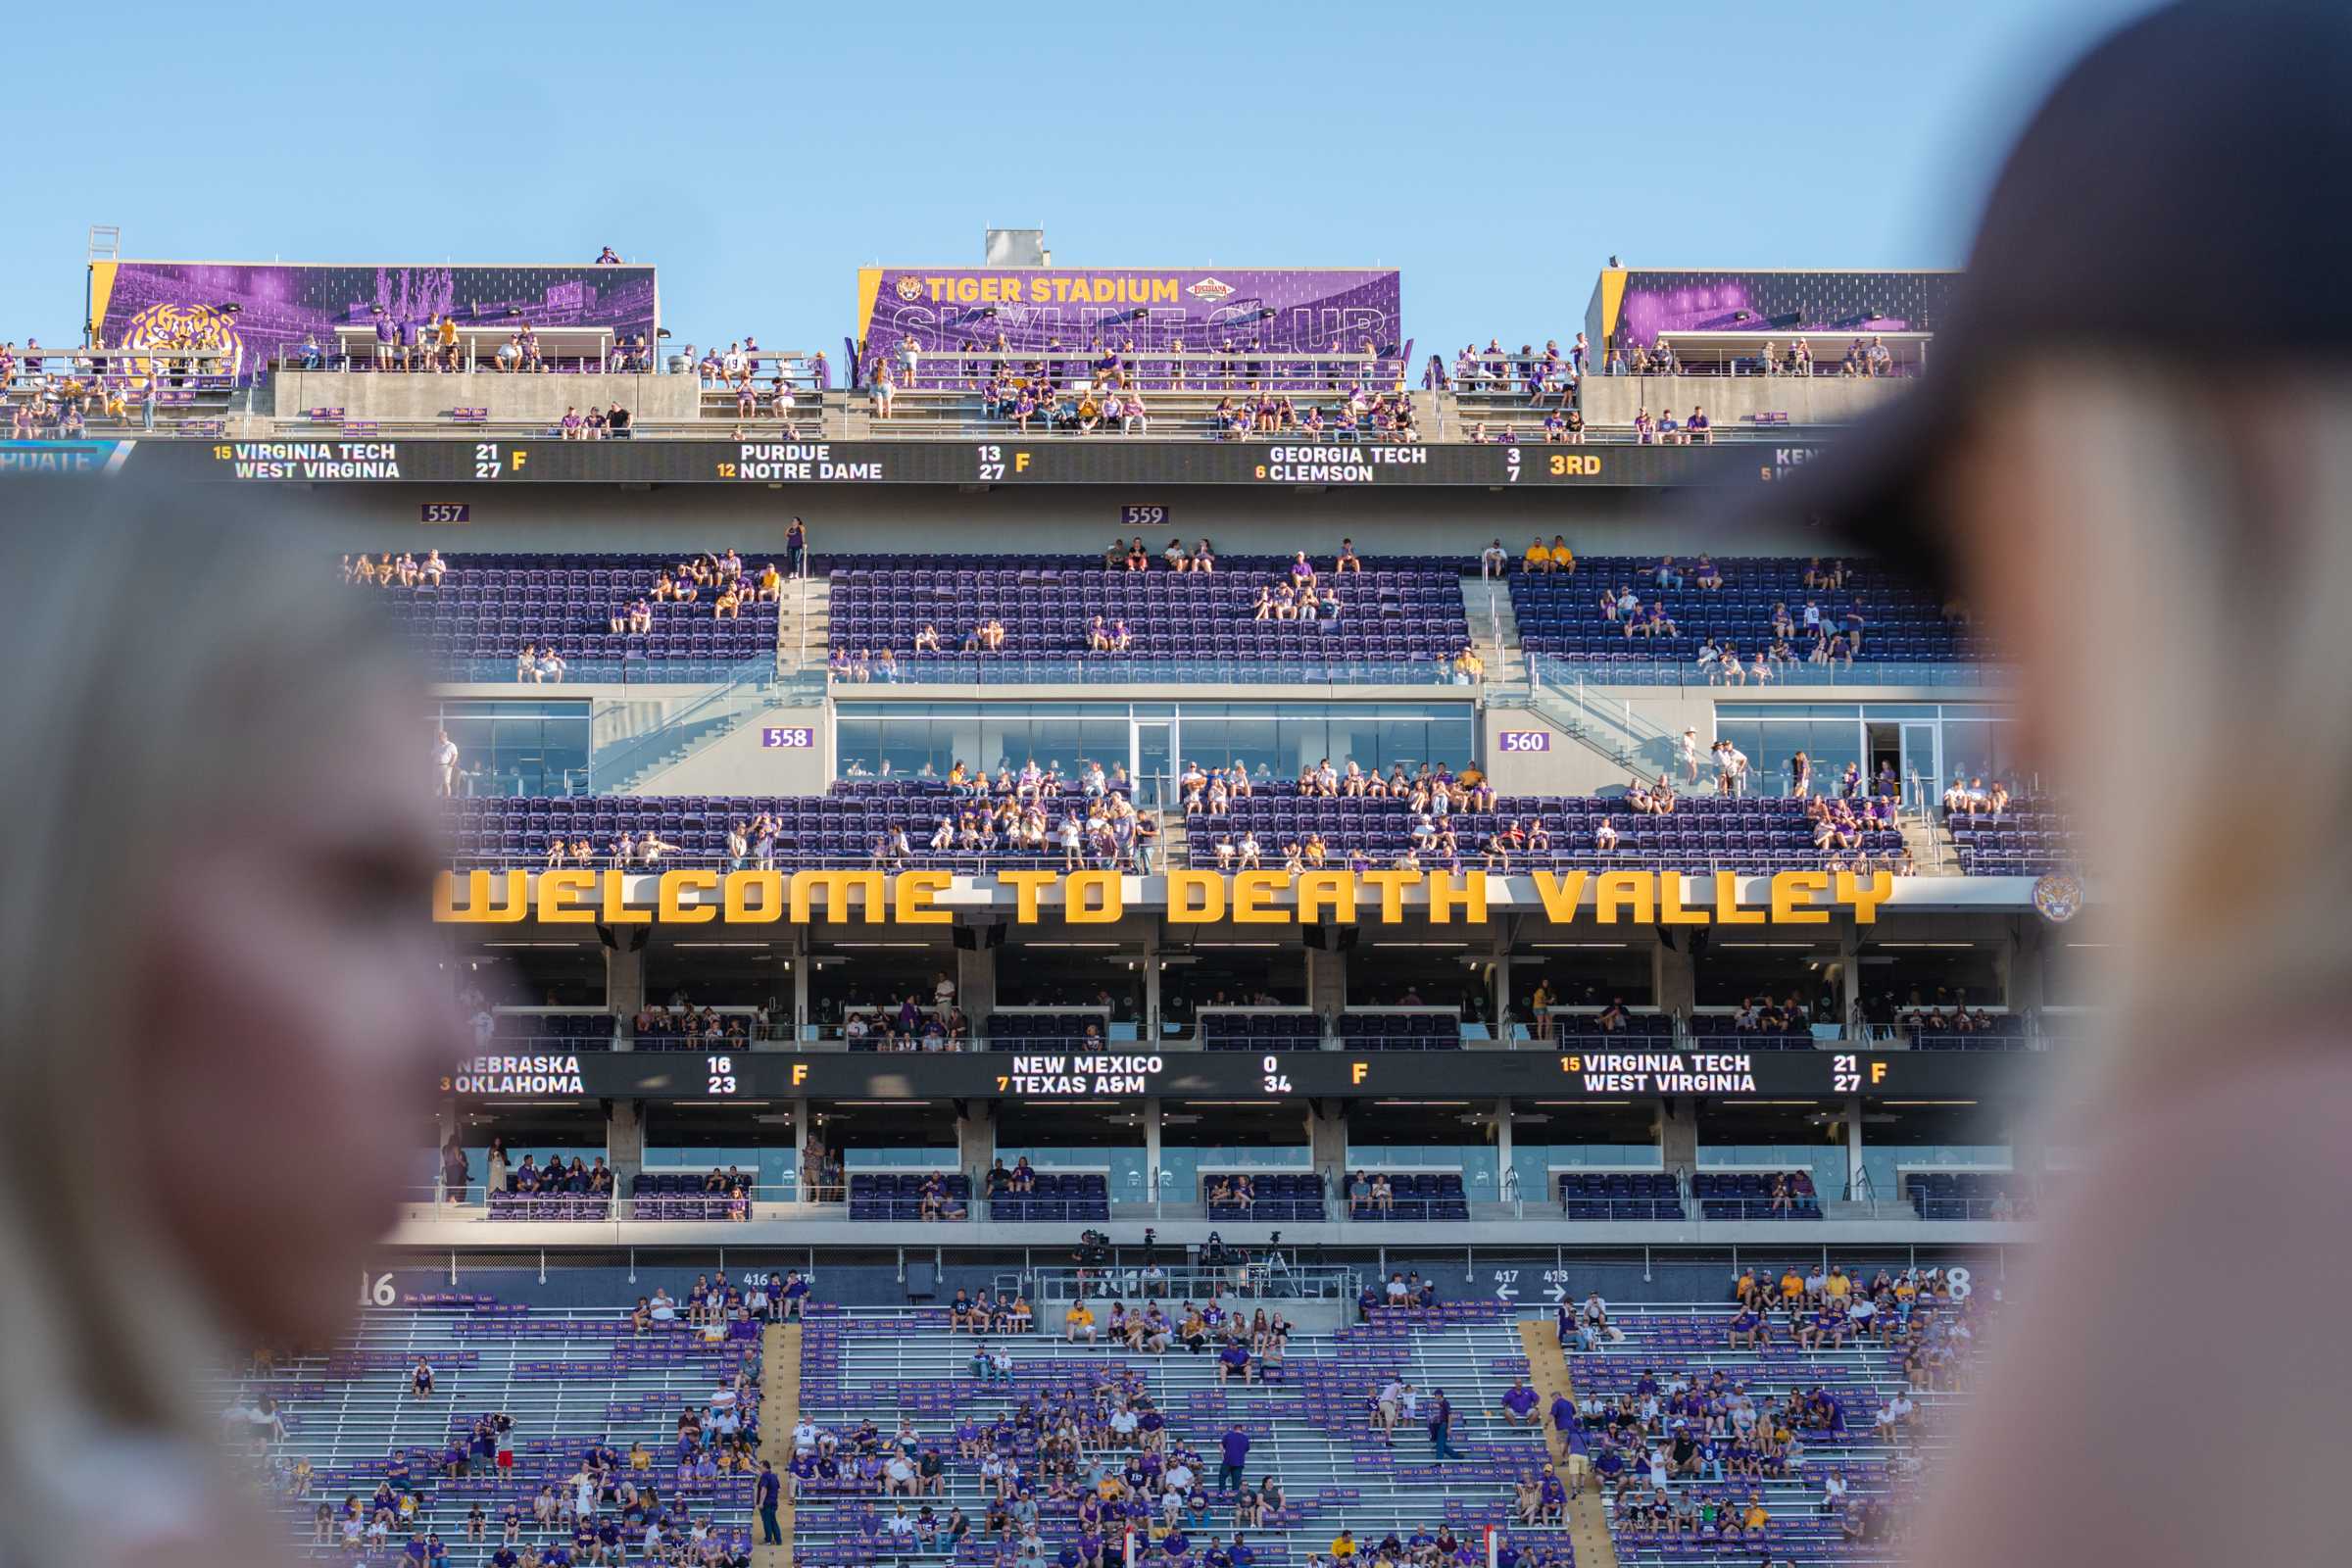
(779, 1412)
(1494, 628)
(805, 627)
(1930, 843)
(1175, 849)
(634, 765)
(1588, 1513)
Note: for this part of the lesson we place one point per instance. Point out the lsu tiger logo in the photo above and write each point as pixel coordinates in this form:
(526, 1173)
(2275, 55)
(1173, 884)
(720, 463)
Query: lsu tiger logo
(2059, 898)
(183, 327)
(910, 287)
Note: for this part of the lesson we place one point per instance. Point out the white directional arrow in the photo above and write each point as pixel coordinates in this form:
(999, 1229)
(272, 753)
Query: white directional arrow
(1558, 1293)
(1507, 1293)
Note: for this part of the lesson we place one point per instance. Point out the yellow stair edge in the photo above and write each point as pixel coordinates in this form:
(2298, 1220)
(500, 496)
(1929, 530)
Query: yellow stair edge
(1588, 1510)
(779, 1413)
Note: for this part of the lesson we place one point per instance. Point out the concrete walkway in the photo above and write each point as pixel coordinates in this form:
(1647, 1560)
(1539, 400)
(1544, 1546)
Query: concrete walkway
(1589, 1514)
(779, 1413)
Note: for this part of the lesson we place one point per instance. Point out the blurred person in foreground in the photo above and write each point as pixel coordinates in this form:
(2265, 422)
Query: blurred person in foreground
(2133, 452)
(223, 1020)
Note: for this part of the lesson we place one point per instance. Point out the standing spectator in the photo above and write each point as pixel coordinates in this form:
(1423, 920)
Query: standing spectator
(445, 762)
(771, 1492)
(1441, 1426)
(1235, 1449)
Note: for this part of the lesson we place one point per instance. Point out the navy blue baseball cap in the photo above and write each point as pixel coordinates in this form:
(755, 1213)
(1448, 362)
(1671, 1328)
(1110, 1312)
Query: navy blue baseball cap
(2181, 192)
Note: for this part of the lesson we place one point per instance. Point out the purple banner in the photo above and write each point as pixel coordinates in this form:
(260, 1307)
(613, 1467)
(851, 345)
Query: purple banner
(259, 311)
(1674, 301)
(1293, 311)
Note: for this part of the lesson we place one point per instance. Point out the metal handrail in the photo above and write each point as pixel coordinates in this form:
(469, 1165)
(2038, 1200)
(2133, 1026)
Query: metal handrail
(756, 680)
(1682, 674)
(1228, 368)
(1270, 1276)
(1308, 669)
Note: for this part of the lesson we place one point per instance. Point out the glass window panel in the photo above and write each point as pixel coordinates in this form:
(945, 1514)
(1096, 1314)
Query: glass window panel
(860, 740)
(1451, 737)
(908, 746)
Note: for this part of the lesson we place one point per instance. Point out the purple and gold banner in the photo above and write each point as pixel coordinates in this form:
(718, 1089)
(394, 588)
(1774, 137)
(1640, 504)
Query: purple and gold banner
(257, 310)
(1287, 310)
(1634, 304)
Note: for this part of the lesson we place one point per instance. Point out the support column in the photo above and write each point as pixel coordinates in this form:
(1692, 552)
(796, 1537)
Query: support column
(1503, 1148)
(447, 1124)
(2029, 1155)
(1327, 982)
(1152, 1033)
(804, 971)
(1674, 978)
(1853, 1149)
(624, 970)
(1849, 975)
(624, 1144)
(976, 983)
(803, 1129)
(1678, 1133)
(1151, 1150)
(1502, 985)
(976, 1142)
(1327, 1144)
(2023, 959)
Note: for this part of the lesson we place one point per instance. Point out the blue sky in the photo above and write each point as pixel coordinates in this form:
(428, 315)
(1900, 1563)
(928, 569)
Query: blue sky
(1498, 154)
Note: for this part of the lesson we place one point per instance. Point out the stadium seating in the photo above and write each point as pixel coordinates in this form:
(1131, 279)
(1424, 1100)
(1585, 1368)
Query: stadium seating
(681, 1195)
(891, 1195)
(568, 1381)
(1046, 1031)
(1999, 1032)
(576, 1381)
(547, 1032)
(487, 606)
(2033, 838)
(1747, 1195)
(1722, 1030)
(1419, 1198)
(1961, 1194)
(1275, 1196)
(1640, 1029)
(551, 1208)
(818, 830)
(1705, 833)
(1558, 612)
(1402, 1029)
(1224, 1029)
(1048, 604)
(1308, 1429)
(1058, 1196)
(1620, 1195)
(1660, 1345)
